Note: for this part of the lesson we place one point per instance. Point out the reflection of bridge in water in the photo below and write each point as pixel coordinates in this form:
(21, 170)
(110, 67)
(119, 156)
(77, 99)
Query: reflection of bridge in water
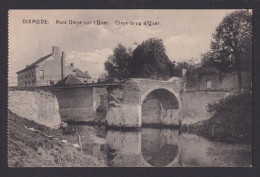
(149, 147)
(160, 148)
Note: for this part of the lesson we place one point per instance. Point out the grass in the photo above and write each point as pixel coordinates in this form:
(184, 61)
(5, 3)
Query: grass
(30, 149)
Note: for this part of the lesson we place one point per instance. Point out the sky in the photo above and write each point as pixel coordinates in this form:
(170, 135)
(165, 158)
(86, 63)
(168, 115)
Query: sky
(186, 34)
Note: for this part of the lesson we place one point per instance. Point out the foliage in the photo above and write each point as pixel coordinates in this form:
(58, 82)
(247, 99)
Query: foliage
(207, 60)
(231, 120)
(150, 61)
(231, 47)
(101, 111)
(232, 42)
(117, 64)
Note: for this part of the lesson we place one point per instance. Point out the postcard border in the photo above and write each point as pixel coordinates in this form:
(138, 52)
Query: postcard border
(128, 4)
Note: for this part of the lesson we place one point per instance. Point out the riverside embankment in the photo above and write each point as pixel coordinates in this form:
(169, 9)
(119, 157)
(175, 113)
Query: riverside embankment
(35, 135)
(34, 145)
(230, 121)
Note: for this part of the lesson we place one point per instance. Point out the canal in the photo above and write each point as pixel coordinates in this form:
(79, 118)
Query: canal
(151, 147)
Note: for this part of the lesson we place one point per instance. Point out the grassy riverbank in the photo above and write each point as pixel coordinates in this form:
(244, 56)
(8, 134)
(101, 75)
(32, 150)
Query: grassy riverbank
(231, 120)
(32, 149)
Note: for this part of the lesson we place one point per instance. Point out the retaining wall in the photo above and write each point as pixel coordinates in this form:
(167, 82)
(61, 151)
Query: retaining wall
(195, 105)
(39, 106)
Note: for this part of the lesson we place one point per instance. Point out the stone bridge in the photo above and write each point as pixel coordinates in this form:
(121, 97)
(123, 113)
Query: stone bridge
(130, 103)
(143, 101)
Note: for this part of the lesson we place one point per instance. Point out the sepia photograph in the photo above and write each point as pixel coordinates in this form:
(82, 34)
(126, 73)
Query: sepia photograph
(130, 88)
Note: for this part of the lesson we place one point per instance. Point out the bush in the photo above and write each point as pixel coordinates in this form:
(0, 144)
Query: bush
(101, 112)
(231, 120)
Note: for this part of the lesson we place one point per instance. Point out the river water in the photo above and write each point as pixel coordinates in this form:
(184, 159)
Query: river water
(151, 147)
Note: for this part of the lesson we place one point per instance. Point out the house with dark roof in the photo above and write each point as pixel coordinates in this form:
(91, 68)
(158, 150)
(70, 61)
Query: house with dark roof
(84, 77)
(48, 70)
(69, 80)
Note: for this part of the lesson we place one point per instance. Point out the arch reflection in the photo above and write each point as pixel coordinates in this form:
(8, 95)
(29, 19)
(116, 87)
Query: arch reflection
(160, 147)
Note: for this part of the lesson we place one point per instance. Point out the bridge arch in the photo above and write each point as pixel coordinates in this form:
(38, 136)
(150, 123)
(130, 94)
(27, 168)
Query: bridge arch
(147, 92)
(171, 116)
(128, 98)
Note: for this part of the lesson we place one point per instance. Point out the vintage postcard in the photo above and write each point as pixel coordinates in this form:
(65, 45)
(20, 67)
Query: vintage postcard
(130, 88)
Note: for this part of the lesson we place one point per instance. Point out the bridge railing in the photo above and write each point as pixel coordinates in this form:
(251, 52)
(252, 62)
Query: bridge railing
(12, 88)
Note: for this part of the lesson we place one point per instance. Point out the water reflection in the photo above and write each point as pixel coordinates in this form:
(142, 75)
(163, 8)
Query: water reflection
(156, 147)
(160, 147)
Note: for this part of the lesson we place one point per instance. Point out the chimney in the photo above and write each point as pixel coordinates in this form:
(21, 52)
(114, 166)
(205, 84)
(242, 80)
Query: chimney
(62, 64)
(184, 73)
(72, 65)
(184, 77)
(55, 50)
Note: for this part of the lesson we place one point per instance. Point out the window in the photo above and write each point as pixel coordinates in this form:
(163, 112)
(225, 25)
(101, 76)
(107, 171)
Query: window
(41, 74)
(208, 84)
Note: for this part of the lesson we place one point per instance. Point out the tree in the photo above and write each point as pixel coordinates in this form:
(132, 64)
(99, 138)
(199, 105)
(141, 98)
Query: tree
(150, 61)
(232, 44)
(207, 60)
(117, 64)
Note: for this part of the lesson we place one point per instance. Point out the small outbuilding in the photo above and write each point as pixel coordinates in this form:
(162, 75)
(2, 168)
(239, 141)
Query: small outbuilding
(214, 80)
(78, 101)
